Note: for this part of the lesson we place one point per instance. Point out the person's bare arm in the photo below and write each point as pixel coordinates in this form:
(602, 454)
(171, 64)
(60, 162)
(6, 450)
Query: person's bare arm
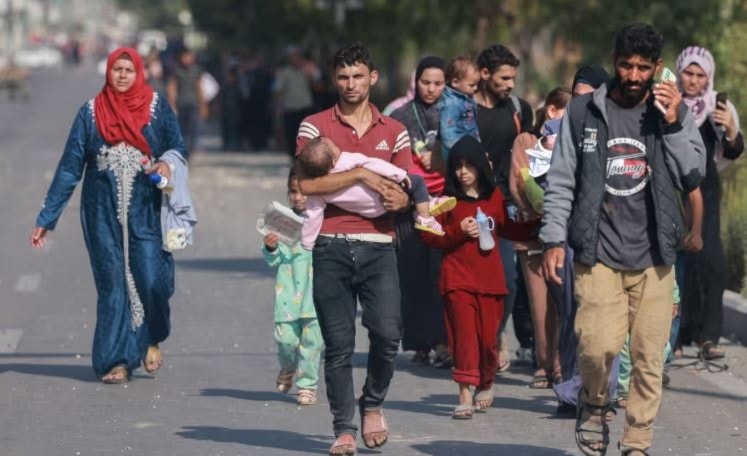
(694, 239)
(171, 92)
(339, 181)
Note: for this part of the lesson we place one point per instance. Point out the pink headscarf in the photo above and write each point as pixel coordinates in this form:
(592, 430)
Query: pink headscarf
(702, 105)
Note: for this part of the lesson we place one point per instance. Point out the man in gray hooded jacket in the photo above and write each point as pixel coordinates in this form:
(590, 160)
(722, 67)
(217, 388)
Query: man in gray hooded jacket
(623, 154)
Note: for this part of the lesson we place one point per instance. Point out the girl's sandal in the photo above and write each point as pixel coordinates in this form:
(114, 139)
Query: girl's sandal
(118, 374)
(483, 400)
(153, 359)
(463, 412)
(284, 381)
(306, 397)
(540, 382)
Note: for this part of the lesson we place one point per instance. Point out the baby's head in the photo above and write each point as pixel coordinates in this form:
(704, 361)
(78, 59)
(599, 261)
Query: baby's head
(317, 157)
(463, 75)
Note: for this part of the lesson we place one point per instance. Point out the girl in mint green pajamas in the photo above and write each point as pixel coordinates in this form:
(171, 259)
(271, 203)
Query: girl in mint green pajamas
(297, 330)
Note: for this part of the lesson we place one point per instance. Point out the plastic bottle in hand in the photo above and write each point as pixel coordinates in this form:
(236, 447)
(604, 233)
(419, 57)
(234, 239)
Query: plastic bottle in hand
(160, 181)
(485, 225)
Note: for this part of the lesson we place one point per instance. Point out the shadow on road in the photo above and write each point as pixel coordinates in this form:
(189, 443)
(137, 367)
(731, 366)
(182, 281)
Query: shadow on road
(258, 396)
(443, 405)
(266, 438)
(254, 266)
(459, 448)
(80, 373)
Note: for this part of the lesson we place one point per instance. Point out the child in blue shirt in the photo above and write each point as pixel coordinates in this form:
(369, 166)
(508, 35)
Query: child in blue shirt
(457, 105)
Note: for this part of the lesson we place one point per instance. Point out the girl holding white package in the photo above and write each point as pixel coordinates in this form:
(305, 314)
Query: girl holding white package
(297, 330)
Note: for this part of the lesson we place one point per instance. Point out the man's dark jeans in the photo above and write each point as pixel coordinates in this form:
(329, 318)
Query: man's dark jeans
(343, 271)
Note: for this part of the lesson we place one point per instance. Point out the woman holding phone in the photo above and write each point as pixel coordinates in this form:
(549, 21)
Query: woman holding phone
(705, 271)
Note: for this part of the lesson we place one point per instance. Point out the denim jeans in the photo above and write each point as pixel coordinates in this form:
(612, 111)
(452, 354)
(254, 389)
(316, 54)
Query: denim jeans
(346, 272)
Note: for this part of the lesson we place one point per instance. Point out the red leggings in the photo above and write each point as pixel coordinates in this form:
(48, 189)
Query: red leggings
(472, 321)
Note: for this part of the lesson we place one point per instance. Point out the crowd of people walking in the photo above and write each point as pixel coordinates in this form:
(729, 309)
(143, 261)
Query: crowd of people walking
(462, 208)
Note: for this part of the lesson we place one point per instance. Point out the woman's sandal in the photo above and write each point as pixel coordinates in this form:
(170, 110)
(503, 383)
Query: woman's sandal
(153, 359)
(344, 445)
(540, 382)
(306, 397)
(463, 412)
(710, 351)
(284, 381)
(118, 374)
(485, 396)
(591, 428)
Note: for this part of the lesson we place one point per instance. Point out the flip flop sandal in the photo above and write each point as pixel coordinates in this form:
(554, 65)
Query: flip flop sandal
(284, 381)
(340, 448)
(463, 412)
(710, 351)
(117, 375)
(540, 382)
(306, 397)
(153, 359)
(589, 432)
(483, 396)
(372, 422)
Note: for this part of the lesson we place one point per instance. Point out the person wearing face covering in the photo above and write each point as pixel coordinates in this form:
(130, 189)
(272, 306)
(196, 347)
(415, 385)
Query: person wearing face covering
(114, 145)
(418, 264)
(705, 271)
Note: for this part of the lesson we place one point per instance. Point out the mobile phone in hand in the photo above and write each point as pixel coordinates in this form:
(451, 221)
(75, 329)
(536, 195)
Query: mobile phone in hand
(720, 98)
(665, 75)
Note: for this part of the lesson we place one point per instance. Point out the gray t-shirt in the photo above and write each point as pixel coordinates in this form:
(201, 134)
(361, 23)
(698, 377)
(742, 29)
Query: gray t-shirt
(627, 228)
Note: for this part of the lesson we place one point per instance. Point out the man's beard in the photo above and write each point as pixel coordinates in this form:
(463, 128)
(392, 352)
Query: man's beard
(634, 95)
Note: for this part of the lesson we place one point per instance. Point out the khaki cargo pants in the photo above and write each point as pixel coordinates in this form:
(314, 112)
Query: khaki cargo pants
(611, 304)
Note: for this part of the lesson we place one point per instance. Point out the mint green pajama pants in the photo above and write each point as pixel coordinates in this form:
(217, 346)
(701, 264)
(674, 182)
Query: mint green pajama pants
(299, 350)
(626, 367)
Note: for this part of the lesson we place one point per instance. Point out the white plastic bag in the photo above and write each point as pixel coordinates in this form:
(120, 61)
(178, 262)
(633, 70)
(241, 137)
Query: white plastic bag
(280, 219)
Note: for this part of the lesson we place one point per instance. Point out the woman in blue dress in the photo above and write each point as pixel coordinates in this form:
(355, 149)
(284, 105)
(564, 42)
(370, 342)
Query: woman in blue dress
(114, 143)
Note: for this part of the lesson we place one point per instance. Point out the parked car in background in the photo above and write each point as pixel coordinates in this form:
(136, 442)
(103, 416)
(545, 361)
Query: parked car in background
(38, 57)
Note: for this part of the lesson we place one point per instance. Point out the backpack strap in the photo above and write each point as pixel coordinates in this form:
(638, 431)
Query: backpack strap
(517, 113)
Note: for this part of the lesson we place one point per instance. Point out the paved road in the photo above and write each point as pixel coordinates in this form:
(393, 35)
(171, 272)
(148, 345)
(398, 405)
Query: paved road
(215, 394)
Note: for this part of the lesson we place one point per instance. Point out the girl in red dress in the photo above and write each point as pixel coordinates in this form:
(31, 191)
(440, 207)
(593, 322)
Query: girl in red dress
(472, 280)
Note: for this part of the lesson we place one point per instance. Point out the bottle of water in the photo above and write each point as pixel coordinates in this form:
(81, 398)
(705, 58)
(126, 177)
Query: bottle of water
(485, 225)
(160, 181)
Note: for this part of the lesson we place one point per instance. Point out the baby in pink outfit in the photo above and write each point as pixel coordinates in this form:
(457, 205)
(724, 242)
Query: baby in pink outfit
(321, 156)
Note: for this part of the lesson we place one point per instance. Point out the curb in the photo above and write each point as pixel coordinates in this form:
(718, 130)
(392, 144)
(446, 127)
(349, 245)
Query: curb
(735, 317)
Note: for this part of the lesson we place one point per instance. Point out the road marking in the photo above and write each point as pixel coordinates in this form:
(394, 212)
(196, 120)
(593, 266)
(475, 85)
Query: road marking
(27, 283)
(9, 339)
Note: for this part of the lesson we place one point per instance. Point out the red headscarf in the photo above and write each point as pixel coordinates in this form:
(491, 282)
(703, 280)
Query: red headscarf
(122, 116)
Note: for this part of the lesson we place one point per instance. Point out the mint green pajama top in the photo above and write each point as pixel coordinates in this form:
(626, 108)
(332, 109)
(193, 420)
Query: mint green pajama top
(293, 285)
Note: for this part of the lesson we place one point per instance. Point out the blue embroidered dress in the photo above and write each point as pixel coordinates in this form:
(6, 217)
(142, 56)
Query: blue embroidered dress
(120, 215)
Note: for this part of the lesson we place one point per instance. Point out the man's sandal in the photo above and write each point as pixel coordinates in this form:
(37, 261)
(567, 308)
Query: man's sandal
(306, 397)
(592, 432)
(631, 451)
(374, 430)
(344, 445)
(153, 359)
(118, 374)
(484, 396)
(463, 412)
(284, 381)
